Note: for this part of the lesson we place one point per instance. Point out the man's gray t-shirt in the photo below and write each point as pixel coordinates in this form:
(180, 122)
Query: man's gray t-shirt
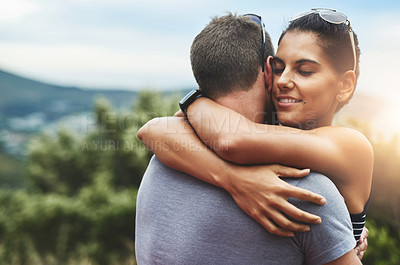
(181, 220)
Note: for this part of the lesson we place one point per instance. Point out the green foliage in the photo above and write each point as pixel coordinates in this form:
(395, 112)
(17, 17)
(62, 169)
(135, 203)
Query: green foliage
(97, 224)
(66, 162)
(55, 165)
(151, 105)
(383, 248)
(11, 173)
(80, 204)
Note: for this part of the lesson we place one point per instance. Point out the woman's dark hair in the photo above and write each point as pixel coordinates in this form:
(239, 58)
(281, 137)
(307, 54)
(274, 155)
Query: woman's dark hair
(334, 40)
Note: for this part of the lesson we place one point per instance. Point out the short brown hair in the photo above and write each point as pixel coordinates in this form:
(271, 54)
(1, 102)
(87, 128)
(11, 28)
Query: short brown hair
(225, 55)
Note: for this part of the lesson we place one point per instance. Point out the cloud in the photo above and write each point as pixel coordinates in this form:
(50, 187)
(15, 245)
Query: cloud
(379, 42)
(95, 66)
(15, 9)
(137, 42)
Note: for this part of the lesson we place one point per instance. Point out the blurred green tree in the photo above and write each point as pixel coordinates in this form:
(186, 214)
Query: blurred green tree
(11, 172)
(80, 201)
(383, 246)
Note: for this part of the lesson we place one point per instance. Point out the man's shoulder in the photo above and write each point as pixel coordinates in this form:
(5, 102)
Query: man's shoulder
(323, 186)
(155, 163)
(318, 183)
(155, 166)
(334, 236)
(159, 175)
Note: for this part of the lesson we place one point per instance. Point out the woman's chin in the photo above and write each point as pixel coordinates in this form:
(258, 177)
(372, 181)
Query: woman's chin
(290, 124)
(289, 121)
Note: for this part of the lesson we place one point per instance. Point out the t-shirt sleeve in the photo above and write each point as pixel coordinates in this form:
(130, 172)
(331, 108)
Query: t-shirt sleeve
(334, 236)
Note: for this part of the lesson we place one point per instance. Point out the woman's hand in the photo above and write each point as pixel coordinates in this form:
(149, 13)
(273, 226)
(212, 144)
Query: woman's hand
(260, 193)
(362, 244)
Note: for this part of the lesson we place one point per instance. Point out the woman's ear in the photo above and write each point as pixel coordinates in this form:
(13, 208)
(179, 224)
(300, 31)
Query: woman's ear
(268, 74)
(348, 85)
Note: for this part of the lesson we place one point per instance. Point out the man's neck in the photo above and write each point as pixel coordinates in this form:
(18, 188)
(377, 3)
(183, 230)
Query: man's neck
(250, 104)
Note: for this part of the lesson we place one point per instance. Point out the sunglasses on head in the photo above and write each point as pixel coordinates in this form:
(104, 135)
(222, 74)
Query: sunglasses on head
(333, 17)
(257, 19)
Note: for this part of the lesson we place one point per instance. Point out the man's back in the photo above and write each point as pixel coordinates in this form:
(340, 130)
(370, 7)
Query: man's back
(181, 220)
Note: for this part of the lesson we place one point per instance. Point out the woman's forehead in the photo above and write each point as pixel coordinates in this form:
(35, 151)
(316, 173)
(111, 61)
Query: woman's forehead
(300, 45)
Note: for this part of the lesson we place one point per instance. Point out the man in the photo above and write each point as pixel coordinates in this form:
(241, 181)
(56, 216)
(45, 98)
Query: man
(182, 220)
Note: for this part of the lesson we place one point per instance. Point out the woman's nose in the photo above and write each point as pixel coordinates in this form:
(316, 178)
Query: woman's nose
(285, 80)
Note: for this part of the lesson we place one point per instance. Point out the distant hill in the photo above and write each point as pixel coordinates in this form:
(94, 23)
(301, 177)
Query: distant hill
(28, 106)
(22, 96)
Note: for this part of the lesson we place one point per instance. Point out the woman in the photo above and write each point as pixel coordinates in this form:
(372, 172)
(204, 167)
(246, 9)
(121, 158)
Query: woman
(315, 73)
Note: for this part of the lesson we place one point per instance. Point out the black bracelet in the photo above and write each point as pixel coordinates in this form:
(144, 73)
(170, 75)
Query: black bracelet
(189, 99)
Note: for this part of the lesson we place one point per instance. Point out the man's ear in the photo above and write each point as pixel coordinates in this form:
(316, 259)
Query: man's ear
(268, 74)
(347, 87)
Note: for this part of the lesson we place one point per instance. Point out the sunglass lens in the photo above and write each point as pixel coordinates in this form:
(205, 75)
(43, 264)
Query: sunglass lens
(333, 17)
(254, 18)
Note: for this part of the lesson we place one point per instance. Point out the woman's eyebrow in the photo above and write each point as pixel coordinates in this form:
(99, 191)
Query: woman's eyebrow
(307, 61)
(278, 59)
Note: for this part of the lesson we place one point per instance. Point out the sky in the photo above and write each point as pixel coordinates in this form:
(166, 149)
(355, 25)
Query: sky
(137, 44)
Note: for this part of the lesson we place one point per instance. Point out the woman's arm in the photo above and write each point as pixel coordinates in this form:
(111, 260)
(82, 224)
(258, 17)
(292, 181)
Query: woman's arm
(257, 190)
(343, 154)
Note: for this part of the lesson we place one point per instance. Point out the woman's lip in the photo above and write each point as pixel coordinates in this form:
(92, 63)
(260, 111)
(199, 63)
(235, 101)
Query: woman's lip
(287, 101)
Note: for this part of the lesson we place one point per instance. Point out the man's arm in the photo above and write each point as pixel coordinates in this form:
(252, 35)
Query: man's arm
(257, 190)
(350, 258)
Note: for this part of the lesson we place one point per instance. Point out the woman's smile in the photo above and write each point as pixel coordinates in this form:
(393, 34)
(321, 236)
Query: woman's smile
(287, 101)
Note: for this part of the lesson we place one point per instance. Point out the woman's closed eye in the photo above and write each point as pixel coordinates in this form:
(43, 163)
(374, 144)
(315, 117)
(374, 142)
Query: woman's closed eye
(305, 70)
(278, 71)
(305, 73)
(278, 67)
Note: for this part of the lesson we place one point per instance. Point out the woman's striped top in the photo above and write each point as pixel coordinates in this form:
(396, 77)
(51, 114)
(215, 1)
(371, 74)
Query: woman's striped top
(358, 221)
